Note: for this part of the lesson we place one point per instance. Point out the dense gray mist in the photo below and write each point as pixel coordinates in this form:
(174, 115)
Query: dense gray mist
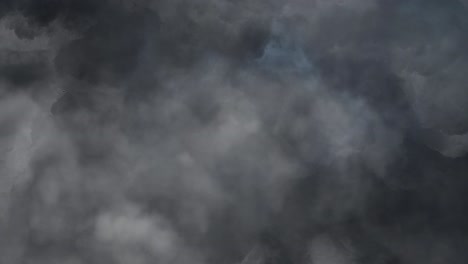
(233, 132)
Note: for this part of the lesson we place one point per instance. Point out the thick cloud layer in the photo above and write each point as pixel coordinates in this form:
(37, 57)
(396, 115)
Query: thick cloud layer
(216, 131)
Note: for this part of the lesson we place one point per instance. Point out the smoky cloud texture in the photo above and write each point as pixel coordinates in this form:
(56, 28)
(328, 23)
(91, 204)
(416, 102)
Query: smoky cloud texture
(237, 132)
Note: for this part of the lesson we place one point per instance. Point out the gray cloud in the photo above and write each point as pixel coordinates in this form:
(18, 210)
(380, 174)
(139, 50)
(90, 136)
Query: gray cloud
(232, 131)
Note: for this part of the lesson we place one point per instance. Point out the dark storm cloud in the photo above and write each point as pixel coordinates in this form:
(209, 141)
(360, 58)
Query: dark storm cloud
(233, 131)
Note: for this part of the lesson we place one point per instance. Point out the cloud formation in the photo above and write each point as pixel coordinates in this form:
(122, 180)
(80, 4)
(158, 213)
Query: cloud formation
(233, 131)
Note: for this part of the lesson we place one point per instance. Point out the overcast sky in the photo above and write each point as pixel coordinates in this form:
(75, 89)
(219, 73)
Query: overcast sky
(243, 132)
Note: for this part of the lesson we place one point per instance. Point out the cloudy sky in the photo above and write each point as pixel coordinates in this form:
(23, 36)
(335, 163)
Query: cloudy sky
(233, 132)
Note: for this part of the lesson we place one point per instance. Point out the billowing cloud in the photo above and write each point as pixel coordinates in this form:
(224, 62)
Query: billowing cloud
(233, 131)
